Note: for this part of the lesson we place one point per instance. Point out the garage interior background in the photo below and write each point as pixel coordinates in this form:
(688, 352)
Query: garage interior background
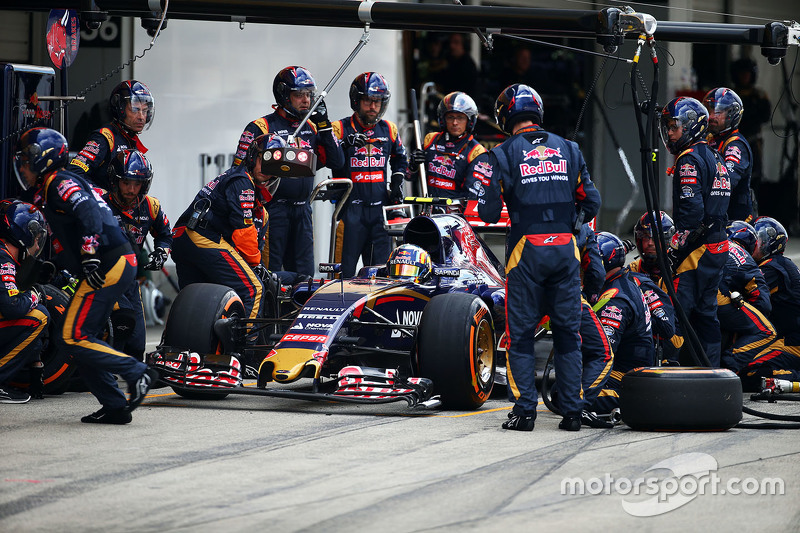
(210, 79)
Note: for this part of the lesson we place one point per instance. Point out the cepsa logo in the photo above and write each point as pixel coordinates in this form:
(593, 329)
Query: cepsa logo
(304, 338)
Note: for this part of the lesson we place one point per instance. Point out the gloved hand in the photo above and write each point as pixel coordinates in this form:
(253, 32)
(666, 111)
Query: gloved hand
(157, 259)
(356, 140)
(396, 195)
(737, 300)
(262, 272)
(91, 271)
(37, 295)
(320, 118)
(679, 240)
(672, 260)
(417, 158)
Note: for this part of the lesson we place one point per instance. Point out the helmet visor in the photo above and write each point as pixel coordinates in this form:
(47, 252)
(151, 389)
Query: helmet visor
(403, 271)
(144, 104)
(39, 234)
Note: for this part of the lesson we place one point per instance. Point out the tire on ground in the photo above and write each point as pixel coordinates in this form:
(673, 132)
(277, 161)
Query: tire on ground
(456, 349)
(681, 399)
(190, 324)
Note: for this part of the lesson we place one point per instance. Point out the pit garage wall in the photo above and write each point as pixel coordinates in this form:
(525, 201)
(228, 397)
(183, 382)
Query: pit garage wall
(210, 79)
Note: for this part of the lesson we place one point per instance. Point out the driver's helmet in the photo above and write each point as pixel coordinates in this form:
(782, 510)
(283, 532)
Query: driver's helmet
(409, 262)
(135, 93)
(24, 226)
(772, 237)
(371, 85)
(130, 165)
(725, 102)
(458, 102)
(45, 150)
(516, 103)
(744, 234)
(611, 249)
(291, 79)
(690, 115)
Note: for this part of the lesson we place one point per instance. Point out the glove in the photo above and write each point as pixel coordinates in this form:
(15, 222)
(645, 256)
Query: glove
(356, 140)
(320, 118)
(396, 195)
(737, 300)
(417, 158)
(91, 271)
(679, 240)
(36, 296)
(157, 259)
(262, 273)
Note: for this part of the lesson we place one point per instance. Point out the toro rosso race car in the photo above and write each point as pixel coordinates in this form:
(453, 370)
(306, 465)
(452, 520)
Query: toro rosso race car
(369, 339)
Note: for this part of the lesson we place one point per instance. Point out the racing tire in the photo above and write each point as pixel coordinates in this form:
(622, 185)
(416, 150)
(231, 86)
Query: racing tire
(681, 399)
(456, 349)
(190, 324)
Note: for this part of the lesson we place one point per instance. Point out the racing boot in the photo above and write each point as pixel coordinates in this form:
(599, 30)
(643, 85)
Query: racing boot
(109, 416)
(519, 422)
(570, 423)
(590, 418)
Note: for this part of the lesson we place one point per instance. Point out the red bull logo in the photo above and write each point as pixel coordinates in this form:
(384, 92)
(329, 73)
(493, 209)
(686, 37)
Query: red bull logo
(442, 160)
(541, 152)
(361, 150)
(305, 145)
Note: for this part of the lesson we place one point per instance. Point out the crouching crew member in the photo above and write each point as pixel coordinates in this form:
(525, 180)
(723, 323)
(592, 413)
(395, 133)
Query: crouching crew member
(86, 239)
(546, 186)
(23, 317)
(216, 240)
(700, 194)
(137, 214)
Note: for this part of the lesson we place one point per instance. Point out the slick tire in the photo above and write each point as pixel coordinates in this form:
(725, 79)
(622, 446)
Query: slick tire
(190, 324)
(681, 399)
(456, 349)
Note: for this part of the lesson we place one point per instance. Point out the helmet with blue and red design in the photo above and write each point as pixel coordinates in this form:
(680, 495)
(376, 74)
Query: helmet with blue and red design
(40, 151)
(369, 85)
(292, 79)
(743, 234)
(772, 238)
(409, 262)
(516, 103)
(458, 102)
(689, 115)
(130, 165)
(24, 226)
(612, 250)
(138, 96)
(644, 228)
(728, 108)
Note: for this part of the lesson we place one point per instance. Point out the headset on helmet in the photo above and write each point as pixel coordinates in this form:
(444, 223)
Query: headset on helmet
(611, 249)
(255, 151)
(723, 100)
(43, 149)
(744, 234)
(409, 262)
(24, 226)
(290, 79)
(458, 102)
(371, 85)
(690, 115)
(135, 93)
(516, 103)
(130, 165)
(772, 237)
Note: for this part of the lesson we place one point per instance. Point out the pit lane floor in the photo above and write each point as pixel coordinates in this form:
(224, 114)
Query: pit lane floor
(287, 465)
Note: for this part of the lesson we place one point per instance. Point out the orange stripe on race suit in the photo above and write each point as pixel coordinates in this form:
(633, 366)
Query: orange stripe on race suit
(246, 242)
(552, 239)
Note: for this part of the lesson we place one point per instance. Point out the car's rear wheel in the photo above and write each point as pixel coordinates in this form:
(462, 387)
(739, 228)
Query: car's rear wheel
(190, 324)
(681, 399)
(456, 349)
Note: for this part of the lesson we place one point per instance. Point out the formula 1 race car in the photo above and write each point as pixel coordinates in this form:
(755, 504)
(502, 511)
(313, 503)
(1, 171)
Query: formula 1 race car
(369, 339)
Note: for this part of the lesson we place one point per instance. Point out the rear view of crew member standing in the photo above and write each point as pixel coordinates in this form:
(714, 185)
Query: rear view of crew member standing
(546, 186)
(87, 239)
(700, 193)
(23, 316)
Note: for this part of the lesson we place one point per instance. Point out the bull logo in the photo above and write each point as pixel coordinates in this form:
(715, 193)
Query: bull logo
(541, 152)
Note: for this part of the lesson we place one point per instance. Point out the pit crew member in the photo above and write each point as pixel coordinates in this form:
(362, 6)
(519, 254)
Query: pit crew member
(290, 233)
(545, 184)
(643, 231)
(86, 239)
(132, 110)
(372, 147)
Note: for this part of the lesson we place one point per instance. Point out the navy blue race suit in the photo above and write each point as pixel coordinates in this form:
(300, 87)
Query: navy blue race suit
(290, 233)
(545, 183)
(364, 233)
(22, 320)
(783, 280)
(625, 316)
(224, 246)
(82, 224)
(593, 275)
(662, 315)
(738, 157)
(700, 194)
(449, 162)
(94, 160)
(137, 221)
